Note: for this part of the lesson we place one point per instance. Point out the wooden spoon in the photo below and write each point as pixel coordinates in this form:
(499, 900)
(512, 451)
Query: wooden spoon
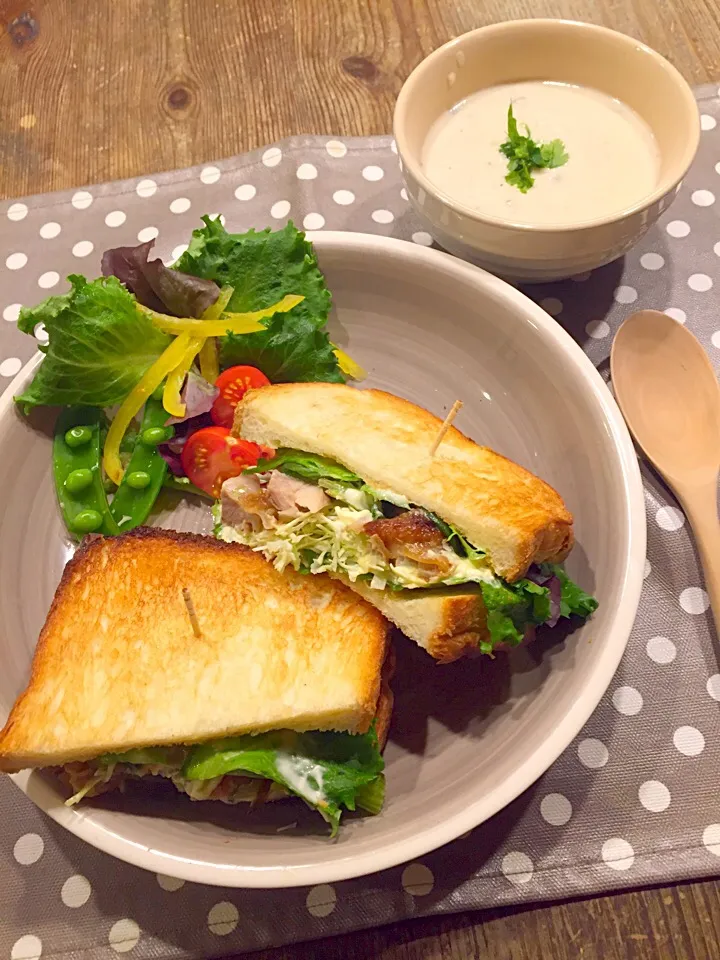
(670, 398)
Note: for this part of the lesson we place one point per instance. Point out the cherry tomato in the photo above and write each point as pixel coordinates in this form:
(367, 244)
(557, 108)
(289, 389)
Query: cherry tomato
(233, 384)
(211, 455)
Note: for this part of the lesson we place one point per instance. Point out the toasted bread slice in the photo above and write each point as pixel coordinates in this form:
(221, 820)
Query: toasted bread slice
(500, 507)
(118, 666)
(447, 622)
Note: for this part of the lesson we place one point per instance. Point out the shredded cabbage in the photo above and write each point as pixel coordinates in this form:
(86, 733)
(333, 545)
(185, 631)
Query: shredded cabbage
(333, 541)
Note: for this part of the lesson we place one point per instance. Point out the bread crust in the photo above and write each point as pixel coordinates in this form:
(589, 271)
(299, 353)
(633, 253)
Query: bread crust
(447, 623)
(118, 666)
(499, 506)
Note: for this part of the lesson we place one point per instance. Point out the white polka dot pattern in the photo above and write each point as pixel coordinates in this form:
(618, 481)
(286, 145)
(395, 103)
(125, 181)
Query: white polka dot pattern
(84, 248)
(50, 230)
(654, 796)
(16, 261)
(76, 891)
(246, 191)
(10, 366)
(146, 188)
(555, 809)
(321, 900)
(17, 211)
(417, 880)
(124, 935)
(169, 884)
(517, 867)
(689, 741)
(313, 221)
(694, 600)
(223, 918)
(28, 848)
(336, 149)
(661, 650)
(618, 854)
(625, 294)
(627, 700)
(82, 200)
(633, 785)
(210, 175)
(306, 171)
(116, 218)
(28, 947)
(670, 518)
(279, 210)
(711, 838)
(592, 753)
(180, 205)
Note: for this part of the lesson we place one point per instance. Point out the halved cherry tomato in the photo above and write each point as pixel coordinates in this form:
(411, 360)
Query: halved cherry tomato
(211, 456)
(233, 384)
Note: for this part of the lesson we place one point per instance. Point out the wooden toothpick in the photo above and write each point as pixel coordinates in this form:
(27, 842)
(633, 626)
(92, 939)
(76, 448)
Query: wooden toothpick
(447, 423)
(191, 612)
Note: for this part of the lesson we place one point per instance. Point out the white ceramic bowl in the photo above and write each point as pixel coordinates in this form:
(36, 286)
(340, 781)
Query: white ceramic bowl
(563, 51)
(466, 738)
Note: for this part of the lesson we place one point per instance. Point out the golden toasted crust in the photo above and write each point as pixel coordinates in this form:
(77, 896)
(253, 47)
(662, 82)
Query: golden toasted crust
(118, 666)
(448, 623)
(500, 507)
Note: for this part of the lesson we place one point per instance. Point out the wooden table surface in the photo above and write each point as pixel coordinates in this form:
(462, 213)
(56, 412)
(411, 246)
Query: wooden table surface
(94, 90)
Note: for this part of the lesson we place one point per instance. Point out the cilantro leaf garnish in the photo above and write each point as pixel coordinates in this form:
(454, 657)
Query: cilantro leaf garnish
(524, 155)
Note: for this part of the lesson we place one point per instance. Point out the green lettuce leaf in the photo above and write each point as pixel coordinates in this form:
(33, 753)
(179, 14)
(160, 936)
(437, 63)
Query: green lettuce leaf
(306, 466)
(325, 769)
(99, 345)
(512, 607)
(262, 267)
(573, 600)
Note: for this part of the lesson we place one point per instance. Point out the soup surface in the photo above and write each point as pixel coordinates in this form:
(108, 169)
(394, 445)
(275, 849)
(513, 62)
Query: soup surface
(613, 158)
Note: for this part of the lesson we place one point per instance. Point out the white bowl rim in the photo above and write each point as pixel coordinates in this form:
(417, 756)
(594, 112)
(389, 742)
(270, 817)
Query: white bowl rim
(81, 823)
(402, 105)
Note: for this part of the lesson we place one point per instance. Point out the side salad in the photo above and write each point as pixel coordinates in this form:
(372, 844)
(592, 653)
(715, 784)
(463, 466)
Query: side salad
(148, 363)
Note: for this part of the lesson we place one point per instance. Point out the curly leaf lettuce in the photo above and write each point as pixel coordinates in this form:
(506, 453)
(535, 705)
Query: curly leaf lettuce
(263, 267)
(574, 602)
(99, 347)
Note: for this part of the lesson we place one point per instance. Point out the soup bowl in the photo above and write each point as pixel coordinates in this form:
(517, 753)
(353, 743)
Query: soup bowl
(562, 51)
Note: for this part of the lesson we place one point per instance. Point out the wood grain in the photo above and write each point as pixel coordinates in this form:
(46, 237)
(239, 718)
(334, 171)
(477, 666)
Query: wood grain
(95, 90)
(668, 923)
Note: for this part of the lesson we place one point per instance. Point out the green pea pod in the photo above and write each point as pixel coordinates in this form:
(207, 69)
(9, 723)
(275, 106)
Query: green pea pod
(145, 473)
(78, 475)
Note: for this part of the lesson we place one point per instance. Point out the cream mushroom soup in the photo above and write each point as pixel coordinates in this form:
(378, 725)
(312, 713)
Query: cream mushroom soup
(612, 161)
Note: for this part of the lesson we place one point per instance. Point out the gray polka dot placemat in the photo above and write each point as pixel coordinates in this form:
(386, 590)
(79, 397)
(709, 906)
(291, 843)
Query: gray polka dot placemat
(634, 800)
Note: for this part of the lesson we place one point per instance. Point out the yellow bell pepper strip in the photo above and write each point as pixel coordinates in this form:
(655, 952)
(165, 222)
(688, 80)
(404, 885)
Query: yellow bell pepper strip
(209, 365)
(229, 323)
(348, 366)
(130, 407)
(173, 385)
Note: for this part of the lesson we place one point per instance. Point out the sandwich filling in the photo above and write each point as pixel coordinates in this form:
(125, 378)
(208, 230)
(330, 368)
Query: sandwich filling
(316, 516)
(330, 771)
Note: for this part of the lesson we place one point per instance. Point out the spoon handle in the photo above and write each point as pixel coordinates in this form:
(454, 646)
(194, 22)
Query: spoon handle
(700, 505)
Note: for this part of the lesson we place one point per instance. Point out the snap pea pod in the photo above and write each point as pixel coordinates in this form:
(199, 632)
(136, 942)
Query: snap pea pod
(145, 473)
(78, 477)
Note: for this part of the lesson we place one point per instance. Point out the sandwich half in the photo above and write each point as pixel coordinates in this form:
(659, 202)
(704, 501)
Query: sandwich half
(460, 548)
(251, 686)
